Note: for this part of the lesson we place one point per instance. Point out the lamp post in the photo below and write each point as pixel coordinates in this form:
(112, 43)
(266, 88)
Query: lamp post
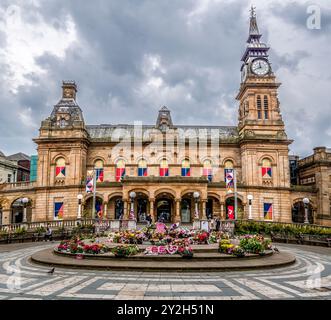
(250, 198)
(25, 202)
(196, 197)
(132, 196)
(79, 214)
(306, 203)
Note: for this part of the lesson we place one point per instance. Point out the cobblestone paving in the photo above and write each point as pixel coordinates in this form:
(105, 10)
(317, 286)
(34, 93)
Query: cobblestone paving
(308, 278)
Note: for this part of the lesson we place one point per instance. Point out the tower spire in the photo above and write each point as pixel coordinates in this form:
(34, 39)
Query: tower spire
(255, 48)
(254, 32)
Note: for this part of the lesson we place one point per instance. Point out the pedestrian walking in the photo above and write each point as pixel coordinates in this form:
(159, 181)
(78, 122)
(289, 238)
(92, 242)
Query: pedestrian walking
(49, 234)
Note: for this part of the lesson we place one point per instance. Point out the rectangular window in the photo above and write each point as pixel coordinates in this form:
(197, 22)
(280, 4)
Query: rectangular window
(266, 172)
(58, 210)
(268, 211)
(9, 178)
(120, 173)
(142, 172)
(60, 172)
(164, 172)
(208, 173)
(186, 172)
(99, 174)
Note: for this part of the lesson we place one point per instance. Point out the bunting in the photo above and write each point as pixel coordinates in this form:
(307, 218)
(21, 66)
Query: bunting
(142, 172)
(60, 172)
(120, 173)
(99, 174)
(267, 172)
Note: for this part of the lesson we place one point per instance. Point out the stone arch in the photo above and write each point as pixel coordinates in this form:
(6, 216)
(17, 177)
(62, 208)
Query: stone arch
(126, 161)
(267, 156)
(160, 191)
(229, 159)
(58, 156)
(96, 158)
(186, 191)
(139, 190)
(298, 211)
(114, 195)
(17, 209)
(90, 195)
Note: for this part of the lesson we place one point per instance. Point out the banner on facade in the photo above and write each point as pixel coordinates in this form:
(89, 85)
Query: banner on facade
(229, 180)
(89, 182)
(58, 210)
(230, 212)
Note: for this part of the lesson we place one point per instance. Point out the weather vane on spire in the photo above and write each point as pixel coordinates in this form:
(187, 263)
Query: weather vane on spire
(252, 11)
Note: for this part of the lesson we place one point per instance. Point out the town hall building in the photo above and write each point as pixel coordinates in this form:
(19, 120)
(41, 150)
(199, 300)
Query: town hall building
(173, 172)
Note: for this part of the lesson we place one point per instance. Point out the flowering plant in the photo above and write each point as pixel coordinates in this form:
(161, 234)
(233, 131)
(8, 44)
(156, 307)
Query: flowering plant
(185, 252)
(125, 250)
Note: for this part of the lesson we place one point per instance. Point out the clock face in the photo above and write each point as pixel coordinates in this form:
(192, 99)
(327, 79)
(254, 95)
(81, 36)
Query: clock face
(260, 67)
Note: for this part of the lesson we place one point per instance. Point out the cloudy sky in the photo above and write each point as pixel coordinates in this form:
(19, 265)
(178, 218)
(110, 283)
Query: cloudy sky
(130, 57)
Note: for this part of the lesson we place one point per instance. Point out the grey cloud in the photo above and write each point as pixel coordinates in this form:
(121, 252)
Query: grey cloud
(201, 65)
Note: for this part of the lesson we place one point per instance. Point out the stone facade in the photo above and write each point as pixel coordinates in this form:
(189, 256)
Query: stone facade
(165, 164)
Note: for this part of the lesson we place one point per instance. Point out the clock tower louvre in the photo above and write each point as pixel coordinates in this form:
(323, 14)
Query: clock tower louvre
(259, 111)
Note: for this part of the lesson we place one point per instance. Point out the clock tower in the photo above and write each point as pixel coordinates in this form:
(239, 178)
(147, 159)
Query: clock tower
(259, 111)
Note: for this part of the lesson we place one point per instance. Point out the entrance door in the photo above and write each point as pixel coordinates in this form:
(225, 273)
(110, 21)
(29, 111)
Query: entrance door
(185, 211)
(164, 210)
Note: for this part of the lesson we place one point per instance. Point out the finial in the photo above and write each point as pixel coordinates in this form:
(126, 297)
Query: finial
(252, 11)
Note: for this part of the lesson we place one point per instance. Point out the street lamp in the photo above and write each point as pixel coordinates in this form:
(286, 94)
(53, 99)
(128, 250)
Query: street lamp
(196, 197)
(25, 202)
(79, 197)
(250, 198)
(306, 203)
(132, 196)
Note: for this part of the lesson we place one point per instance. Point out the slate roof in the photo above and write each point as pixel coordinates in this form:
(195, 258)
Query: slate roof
(116, 132)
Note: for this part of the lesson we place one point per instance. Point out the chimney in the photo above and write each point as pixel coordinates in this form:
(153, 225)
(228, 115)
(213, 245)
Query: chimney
(69, 90)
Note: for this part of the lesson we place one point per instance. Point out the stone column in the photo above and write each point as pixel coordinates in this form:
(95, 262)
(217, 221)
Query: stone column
(222, 211)
(151, 209)
(204, 202)
(126, 210)
(105, 213)
(177, 217)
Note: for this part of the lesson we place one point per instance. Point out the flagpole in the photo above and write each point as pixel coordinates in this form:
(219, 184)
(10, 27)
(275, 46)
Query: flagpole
(94, 193)
(235, 194)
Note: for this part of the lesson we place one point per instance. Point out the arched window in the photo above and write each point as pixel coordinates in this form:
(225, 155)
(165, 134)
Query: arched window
(164, 168)
(266, 168)
(266, 108)
(259, 107)
(208, 170)
(60, 169)
(120, 170)
(142, 168)
(98, 166)
(186, 168)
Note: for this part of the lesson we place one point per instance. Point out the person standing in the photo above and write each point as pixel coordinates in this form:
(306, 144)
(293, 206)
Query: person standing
(48, 234)
(218, 224)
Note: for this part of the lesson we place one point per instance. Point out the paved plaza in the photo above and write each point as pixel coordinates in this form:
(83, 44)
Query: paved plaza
(308, 278)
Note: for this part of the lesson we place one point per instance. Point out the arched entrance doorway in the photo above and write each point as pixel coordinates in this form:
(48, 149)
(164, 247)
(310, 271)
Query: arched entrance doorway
(164, 209)
(230, 208)
(17, 211)
(115, 207)
(141, 207)
(298, 212)
(98, 207)
(185, 210)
